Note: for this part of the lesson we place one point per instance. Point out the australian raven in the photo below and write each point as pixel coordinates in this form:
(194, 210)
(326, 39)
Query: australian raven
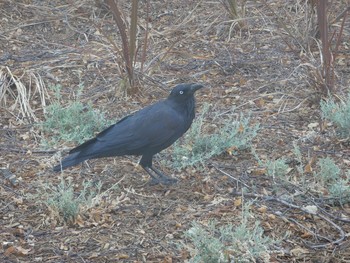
(145, 132)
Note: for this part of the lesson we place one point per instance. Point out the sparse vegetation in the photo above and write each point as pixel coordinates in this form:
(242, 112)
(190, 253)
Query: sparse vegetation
(339, 114)
(330, 177)
(329, 171)
(243, 243)
(308, 26)
(198, 145)
(277, 168)
(340, 190)
(75, 122)
(66, 202)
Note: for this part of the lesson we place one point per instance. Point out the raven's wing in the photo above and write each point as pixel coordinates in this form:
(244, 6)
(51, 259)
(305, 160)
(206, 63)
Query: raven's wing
(149, 130)
(93, 148)
(100, 135)
(157, 130)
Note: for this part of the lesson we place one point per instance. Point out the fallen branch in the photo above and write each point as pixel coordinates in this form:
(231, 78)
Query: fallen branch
(307, 211)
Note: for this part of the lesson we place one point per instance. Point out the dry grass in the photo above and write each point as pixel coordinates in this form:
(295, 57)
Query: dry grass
(22, 95)
(314, 30)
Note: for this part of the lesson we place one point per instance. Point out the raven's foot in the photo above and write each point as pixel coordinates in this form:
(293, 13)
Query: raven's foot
(163, 181)
(153, 181)
(168, 180)
(158, 177)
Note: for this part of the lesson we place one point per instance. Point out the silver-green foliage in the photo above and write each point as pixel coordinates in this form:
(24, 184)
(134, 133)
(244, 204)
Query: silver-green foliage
(197, 146)
(208, 246)
(277, 168)
(228, 243)
(339, 114)
(299, 157)
(63, 199)
(337, 185)
(329, 171)
(75, 122)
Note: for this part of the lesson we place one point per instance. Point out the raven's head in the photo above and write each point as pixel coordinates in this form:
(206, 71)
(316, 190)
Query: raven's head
(185, 91)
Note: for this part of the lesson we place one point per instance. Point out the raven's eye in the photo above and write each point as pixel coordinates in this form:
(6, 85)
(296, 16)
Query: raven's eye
(181, 92)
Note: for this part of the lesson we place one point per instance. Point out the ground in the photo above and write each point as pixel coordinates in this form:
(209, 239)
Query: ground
(261, 65)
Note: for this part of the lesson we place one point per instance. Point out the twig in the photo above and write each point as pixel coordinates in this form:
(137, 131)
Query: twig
(262, 96)
(331, 215)
(336, 242)
(342, 14)
(307, 229)
(23, 150)
(232, 177)
(307, 211)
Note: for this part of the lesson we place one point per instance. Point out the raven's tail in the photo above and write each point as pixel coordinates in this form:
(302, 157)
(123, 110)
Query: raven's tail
(77, 155)
(70, 160)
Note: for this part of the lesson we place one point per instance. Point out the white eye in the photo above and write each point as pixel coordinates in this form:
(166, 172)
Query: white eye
(181, 92)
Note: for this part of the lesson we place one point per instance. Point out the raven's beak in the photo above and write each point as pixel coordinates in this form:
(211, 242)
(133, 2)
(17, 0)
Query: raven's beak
(196, 86)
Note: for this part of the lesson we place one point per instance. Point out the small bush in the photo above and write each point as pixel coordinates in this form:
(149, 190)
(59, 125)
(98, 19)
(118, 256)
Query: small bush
(73, 123)
(227, 243)
(277, 168)
(330, 176)
(339, 114)
(208, 246)
(66, 202)
(329, 171)
(340, 190)
(198, 147)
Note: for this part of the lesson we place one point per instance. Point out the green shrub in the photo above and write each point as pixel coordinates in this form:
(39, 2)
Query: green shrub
(340, 190)
(243, 243)
(209, 248)
(66, 202)
(277, 168)
(329, 171)
(338, 186)
(339, 114)
(75, 122)
(197, 147)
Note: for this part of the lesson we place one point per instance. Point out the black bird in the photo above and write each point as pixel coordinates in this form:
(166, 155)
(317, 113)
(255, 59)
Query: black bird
(145, 132)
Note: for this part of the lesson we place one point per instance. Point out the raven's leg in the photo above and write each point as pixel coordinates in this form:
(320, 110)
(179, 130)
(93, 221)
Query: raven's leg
(160, 179)
(146, 163)
(163, 177)
(154, 180)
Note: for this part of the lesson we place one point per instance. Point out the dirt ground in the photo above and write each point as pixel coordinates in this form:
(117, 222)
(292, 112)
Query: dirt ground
(252, 66)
